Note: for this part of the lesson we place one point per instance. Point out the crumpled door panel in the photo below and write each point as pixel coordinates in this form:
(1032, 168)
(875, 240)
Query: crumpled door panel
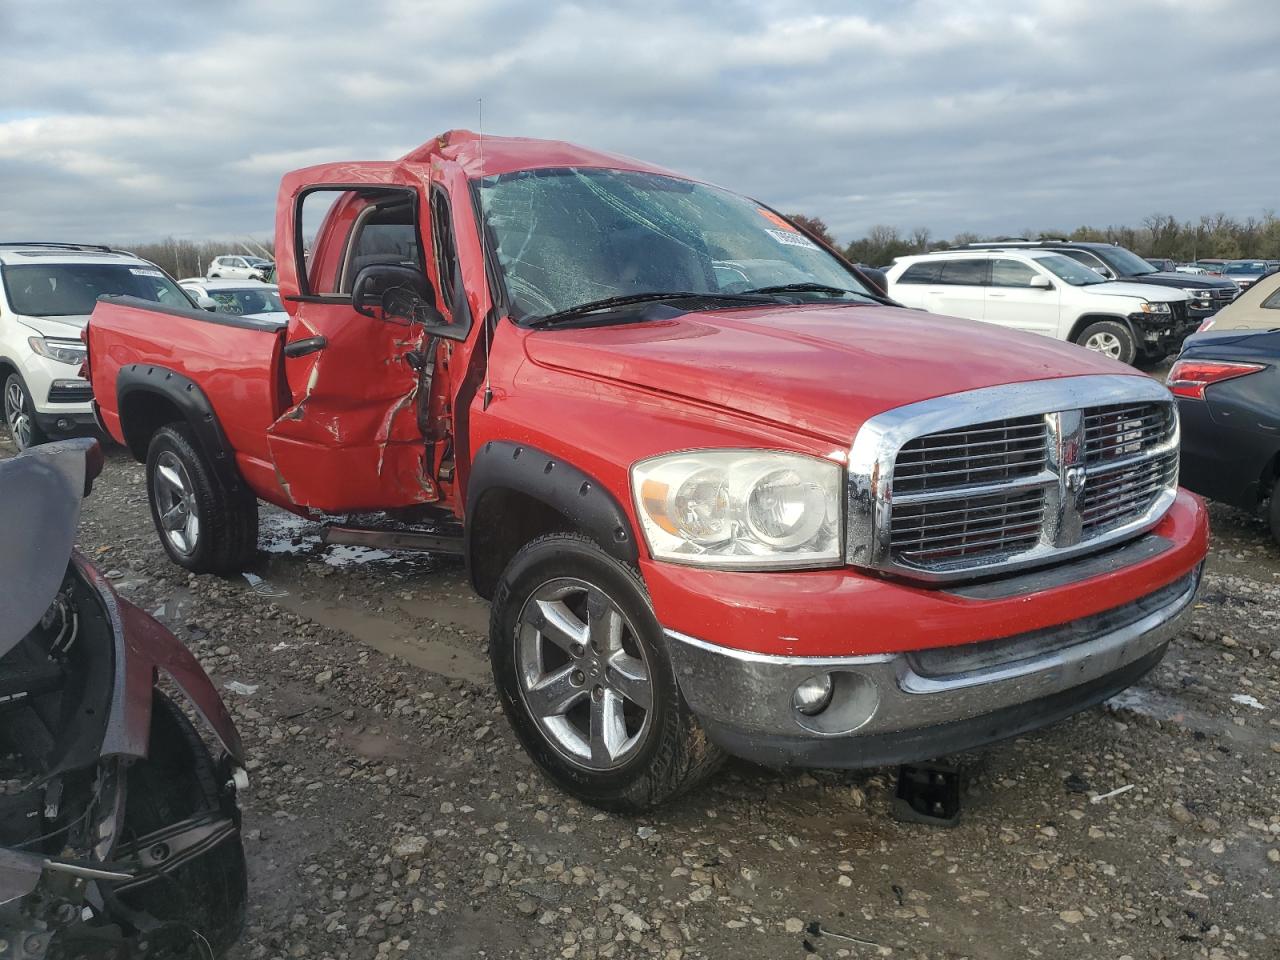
(351, 439)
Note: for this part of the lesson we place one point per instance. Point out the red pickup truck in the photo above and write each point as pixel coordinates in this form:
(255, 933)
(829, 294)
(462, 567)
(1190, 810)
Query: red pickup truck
(722, 494)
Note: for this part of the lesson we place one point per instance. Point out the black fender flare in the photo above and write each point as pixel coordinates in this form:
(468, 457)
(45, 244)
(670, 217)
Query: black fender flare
(191, 402)
(1086, 321)
(583, 501)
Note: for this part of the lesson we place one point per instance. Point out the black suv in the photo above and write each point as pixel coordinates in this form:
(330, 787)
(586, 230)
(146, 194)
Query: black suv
(1208, 294)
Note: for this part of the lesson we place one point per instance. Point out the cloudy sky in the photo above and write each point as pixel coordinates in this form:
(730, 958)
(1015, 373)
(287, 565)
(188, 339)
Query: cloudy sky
(131, 121)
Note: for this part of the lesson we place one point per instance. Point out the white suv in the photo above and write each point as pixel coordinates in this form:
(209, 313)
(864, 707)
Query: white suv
(236, 267)
(47, 291)
(1044, 292)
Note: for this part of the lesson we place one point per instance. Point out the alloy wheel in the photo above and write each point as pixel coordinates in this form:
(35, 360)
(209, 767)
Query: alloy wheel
(16, 415)
(175, 503)
(583, 674)
(1105, 343)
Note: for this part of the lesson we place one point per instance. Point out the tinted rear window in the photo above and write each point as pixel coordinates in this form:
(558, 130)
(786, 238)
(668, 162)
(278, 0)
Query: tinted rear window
(928, 272)
(969, 273)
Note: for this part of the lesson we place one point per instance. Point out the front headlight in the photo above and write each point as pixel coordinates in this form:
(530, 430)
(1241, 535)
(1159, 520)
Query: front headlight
(1156, 307)
(750, 509)
(64, 351)
(1196, 294)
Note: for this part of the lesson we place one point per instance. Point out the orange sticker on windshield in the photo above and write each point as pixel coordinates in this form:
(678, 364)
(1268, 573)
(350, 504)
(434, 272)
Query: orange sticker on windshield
(775, 219)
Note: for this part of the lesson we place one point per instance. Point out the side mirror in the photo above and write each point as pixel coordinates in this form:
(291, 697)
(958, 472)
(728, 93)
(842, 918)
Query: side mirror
(878, 282)
(1106, 272)
(1040, 282)
(403, 293)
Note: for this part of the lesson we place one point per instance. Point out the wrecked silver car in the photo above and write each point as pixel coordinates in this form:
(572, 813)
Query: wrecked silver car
(119, 830)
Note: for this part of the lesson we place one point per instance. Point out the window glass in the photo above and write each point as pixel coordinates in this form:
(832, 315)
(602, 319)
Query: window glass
(927, 272)
(1066, 268)
(565, 237)
(248, 301)
(452, 291)
(341, 232)
(1080, 256)
(968, 273)
(1011, 273)
(1272, 302)
(1124, 263)
(72, 289)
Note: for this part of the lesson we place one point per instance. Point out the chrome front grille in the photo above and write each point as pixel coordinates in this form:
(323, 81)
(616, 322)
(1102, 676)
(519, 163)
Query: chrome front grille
(967, 528)
(1119, 430)
(984, 453)
(939, 491)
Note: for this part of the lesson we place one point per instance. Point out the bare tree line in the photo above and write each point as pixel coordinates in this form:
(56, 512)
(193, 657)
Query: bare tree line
(1160, 235)
(190, 258)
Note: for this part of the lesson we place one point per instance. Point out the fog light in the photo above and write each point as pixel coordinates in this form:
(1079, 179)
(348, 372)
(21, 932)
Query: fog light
(813, 695)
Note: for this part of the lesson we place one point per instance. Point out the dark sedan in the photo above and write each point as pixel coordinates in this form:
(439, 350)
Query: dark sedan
(1228, 389)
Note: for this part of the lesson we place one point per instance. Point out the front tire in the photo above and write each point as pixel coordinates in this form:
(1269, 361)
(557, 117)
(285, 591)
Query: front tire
(1110, 338)
(20, 414)
(582, 670)
(203, 526)
(177, 781)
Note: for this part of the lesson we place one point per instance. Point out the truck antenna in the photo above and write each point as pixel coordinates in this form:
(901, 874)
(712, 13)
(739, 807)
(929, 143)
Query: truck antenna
(484, 259)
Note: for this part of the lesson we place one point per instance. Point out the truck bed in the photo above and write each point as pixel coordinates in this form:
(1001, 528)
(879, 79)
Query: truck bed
(235, 361)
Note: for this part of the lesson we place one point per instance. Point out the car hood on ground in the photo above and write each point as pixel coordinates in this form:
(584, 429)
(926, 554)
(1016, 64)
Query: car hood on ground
(1197, 281)
(823, 369)
(40, 496)
(59, 328)
(1124, 288)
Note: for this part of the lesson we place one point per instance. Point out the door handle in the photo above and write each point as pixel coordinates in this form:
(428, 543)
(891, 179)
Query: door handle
(989, 294)
(302, 348)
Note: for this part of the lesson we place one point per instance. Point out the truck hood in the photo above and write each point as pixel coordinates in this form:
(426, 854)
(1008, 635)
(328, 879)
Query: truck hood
(1194, 281)
(1141, 291)
(59, 328)
(823, 369)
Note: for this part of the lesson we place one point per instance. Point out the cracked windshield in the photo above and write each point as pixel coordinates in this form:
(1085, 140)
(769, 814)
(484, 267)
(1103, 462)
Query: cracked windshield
(567, 237)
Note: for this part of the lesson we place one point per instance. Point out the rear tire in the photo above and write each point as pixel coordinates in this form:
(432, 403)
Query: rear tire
(179, 780)
(1273, 514)
(203, 526)
(1110, 338)
(20, 414)
(650, 747)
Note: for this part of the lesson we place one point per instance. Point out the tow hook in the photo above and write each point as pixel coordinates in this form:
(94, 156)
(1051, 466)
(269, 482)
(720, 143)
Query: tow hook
(928, 793)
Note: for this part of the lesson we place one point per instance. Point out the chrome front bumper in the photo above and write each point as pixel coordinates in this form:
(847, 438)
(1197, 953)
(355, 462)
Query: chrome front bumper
(894, 708)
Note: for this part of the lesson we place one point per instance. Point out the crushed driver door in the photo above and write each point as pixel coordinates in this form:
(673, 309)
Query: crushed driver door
(350, 437)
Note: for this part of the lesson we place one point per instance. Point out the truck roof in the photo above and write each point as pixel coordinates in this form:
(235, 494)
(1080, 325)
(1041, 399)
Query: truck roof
(511, 154)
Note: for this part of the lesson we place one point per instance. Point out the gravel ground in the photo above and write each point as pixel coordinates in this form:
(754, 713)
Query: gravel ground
(392, 813)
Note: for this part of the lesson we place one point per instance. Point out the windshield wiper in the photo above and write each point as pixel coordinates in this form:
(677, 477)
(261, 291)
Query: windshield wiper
(608, 303)
(820, 288)
(801, 288)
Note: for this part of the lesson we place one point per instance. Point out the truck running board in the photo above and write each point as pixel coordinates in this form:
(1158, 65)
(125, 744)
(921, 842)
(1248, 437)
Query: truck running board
(384, 539)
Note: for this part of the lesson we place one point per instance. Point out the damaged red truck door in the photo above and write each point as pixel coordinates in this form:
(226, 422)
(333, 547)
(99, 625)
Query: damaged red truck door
(350, 436)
